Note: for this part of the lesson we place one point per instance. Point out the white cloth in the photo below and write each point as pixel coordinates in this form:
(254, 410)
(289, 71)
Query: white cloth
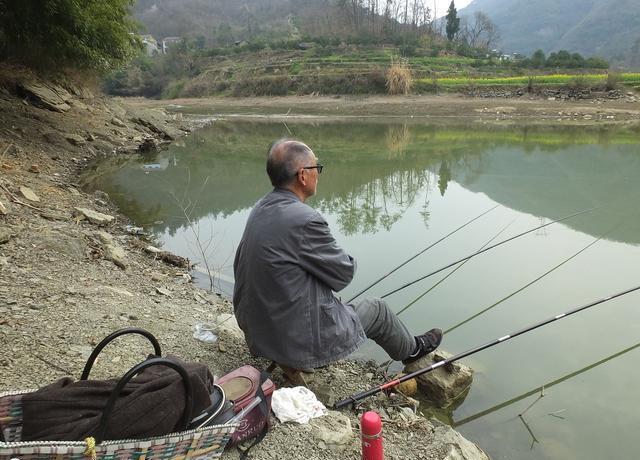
(297, 404)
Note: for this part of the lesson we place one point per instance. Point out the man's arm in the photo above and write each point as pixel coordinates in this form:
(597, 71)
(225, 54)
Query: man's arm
(323, 258)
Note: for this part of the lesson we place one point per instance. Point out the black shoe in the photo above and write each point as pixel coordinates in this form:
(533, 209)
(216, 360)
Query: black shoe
(426, 343)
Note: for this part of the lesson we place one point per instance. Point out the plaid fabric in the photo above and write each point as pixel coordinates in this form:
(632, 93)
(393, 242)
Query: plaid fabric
(203, 443)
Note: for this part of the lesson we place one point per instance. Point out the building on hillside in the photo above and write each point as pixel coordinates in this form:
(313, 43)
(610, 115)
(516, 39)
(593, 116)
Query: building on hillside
(150, 45)
(170, 42)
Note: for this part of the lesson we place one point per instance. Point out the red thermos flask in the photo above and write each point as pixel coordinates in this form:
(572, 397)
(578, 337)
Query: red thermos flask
(371, 435)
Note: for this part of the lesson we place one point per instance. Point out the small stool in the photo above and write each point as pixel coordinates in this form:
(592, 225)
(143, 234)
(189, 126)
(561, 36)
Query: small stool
(294, 376)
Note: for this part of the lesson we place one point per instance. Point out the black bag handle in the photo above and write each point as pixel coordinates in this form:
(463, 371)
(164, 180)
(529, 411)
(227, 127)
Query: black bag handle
(127, 330)
(188, 392)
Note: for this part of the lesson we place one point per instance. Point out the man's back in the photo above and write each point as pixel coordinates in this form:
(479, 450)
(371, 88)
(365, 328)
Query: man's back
(286, 267)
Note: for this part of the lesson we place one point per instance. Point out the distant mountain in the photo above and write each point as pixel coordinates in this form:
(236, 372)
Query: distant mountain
(222, 20)
(605, 28)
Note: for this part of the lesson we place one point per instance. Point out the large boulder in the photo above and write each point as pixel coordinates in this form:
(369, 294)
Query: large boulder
(445, 385)
(46, 95)
(448, 444)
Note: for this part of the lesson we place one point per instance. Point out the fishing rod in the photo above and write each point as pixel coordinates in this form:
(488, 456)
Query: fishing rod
(420, 253)
(548, 272)
(485, 250)
(453, 271)
(353, 399)
(546, 386)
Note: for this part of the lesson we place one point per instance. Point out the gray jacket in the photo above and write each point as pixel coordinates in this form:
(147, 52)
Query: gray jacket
(286, 268)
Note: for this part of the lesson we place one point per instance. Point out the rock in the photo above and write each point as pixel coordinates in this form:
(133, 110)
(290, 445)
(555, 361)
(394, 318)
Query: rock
(12, 150)
(445, 439)
(70, 246)
(29, 194)
(149, 145)
(74, 139)
(55, 138)
(46, 95)
(155, 276)
(445, 385)
(3, 209)
(333, 430)
(227, 323)
(112, 250)
(100, 195)
(408, 387)
(163, 291)
(324, 392)
(5, 235)
(117, 122)
(94, 217)
(34, 168)
(52, 216)
(156, 121)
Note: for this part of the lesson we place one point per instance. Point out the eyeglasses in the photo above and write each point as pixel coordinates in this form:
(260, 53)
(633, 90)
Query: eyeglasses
(318, 167)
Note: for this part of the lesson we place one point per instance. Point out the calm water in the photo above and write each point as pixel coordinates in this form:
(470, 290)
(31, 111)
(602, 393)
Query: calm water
(388, 190)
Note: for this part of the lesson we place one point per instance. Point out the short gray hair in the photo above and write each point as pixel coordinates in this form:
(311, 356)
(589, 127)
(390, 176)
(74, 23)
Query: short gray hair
(283, 160)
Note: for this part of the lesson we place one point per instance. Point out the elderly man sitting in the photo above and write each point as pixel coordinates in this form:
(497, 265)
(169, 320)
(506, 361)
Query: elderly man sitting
(287, 268)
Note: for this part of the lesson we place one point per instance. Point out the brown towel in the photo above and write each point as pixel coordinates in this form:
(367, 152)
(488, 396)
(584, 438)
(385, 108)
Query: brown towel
(151, 404)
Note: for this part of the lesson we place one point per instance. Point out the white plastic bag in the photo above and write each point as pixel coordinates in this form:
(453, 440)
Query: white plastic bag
(205, 333)
(297, 404)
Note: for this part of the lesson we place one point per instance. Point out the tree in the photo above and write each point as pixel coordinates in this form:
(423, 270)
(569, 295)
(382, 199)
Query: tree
(453, 21)
(54, 34)
(482, 32)
(538, 59)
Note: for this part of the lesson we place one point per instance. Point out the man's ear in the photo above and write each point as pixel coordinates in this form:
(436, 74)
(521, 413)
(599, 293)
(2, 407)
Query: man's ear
(302, 178)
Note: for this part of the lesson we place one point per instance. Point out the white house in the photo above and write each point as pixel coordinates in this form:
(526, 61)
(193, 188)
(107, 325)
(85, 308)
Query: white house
(168, 42)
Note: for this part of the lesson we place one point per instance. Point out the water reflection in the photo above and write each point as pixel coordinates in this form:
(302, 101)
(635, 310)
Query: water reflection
(390, 189)
(376, 172)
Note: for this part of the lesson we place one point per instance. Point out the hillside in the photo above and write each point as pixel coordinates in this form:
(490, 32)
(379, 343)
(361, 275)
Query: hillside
(606, 28)
(237, 20)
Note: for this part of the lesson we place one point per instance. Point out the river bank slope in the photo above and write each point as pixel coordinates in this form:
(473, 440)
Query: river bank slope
(72, 272)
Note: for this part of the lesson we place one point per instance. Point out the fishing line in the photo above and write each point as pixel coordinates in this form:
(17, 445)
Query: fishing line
(484, 250)
(530, 283)
(420, 253)
(455, 269)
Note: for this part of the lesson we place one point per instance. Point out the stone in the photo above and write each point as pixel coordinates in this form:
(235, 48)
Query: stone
(227, 323)
(155, 276)
(163, 291)
(95, 217)
(34, 168)
(447, 440)
(3, 209)
(149, 145)
(46, 95)
(29, 194)
(5, 235)
(112, 250)
(12, 150)
(117, 122)
(332, 430)
(445, 385)
(70, 246)
(408, 387)
(74, 139)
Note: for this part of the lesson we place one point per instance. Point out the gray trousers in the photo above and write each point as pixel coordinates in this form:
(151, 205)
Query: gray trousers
(382, 326)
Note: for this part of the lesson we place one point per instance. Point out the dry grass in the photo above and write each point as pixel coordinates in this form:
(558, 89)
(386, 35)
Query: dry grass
(399, 79)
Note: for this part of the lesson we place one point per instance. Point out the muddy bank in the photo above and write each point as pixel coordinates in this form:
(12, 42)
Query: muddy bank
(596, 110)
(72, 271)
